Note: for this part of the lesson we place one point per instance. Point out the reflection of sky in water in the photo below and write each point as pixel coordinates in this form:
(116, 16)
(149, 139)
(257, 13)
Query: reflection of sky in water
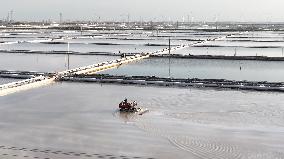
(231, 51)
(82, 47)
(180, 68)
(205, 69)
(62, 115)
(49, 63)
(244, 44)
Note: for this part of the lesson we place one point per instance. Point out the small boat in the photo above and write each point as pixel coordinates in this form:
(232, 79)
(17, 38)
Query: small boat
(126, 106)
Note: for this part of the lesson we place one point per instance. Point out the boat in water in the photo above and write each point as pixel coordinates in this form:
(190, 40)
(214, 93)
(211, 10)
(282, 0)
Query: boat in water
(126, 106)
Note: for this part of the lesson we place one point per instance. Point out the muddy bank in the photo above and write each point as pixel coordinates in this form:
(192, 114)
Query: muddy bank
(22, 74)
(174, 82)
(256, 47)
(222, 57)
(155, 81)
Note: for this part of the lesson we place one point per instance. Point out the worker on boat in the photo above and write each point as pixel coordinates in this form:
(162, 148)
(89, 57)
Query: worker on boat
(134, 103)
(125, 100)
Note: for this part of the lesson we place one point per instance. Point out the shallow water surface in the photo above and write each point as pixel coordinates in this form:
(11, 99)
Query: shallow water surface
(48, 63)
(204, 69)
(182, 123)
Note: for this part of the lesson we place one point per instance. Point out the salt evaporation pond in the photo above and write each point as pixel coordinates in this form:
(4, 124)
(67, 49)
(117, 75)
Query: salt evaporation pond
(232, 51)
(82, 48)
(71, 120)
(241, 44)
(80, 120)
(47, 63)
(204, 69)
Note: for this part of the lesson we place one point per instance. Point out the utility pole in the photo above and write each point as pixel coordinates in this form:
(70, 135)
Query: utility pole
(11, 15)
(157, 32)
(141, 21)
(216, 22)
(8, 17)
(169, 57)
(177, 25)
(60, 18)
(128, 19)
(188, 20)
(68, 59)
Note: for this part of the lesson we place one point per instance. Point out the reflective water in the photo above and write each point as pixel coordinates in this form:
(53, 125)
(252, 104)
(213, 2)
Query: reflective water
(47, 63)
(231, 43)
(182, 123)
(83, 48)
(80, 120)
(204, 69)
(232, 51)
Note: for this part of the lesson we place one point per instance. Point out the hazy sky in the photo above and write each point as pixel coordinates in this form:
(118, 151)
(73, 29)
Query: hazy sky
(198, 10)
